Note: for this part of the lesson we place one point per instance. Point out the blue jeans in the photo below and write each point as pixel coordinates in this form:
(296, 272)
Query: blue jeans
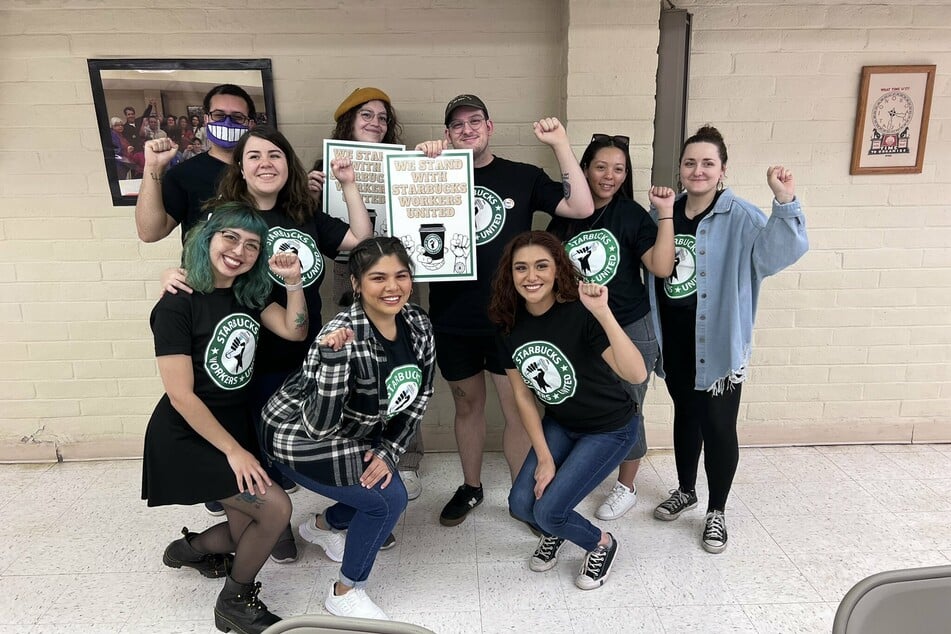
(582, 461)
(368, 516)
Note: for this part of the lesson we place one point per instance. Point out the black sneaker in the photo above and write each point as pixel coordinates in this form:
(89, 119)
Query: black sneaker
(546, 554)
(389, 542)
(678, 502)
(596, 565)
(464, 500)
(714, 532)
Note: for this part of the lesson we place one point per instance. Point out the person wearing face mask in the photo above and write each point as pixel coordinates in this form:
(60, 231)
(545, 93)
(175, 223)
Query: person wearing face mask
(175, 197)
(703, 315)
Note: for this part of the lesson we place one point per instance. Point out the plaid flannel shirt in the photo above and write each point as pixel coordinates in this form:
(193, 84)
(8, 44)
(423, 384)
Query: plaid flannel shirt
(317, 419)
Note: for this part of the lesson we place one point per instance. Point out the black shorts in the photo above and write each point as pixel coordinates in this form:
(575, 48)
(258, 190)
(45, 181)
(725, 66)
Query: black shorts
(462, 356)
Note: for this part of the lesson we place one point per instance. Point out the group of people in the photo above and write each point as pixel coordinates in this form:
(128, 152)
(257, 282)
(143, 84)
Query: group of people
(575, 318)
(130, 134)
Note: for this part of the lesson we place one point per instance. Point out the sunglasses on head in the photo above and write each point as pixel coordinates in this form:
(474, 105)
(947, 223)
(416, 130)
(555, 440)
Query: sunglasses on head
(617, 139)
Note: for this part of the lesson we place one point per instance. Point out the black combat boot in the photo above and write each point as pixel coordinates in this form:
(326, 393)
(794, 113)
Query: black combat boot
(180, 553)
(238, 609)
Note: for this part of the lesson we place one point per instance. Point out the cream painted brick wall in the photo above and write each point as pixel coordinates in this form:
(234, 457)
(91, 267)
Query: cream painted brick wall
(856, 338)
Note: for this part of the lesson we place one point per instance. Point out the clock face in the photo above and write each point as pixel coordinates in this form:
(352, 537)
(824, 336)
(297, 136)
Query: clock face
(892, 112)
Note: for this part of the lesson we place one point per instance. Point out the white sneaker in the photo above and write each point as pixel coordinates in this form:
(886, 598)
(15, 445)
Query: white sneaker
(414, 488)
(355, 603)
(618, 502)
(333, 542)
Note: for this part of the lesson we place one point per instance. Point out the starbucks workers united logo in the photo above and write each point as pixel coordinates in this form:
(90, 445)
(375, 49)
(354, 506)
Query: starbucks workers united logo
(596, 255)
(683, 279)
(489, 215)
(402, 386)
(229, 357)
(546, 371)
(281, 240)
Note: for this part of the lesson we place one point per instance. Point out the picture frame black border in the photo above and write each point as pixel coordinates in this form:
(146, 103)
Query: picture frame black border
(97, 65)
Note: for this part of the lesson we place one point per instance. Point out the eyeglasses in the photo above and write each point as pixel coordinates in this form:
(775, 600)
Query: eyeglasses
(475, 123)
(368, 116)
(219, 115)
(233, 240)
(617, 139)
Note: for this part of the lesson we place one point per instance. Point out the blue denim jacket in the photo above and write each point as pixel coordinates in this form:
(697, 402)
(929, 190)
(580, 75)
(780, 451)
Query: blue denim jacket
(737, 246)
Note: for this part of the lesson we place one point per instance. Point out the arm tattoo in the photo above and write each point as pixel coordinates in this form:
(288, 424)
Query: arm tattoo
(566, 186)
(458, 392)
(156, 177)
(300, 321)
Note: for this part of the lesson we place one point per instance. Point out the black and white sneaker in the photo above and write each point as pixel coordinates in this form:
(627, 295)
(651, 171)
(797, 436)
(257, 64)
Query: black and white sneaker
(546, 554)
(596, 565)
(464, 500)
(678, 502)
(714, 532)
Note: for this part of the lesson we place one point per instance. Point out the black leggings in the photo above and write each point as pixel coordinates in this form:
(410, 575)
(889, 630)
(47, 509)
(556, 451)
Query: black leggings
(701, 421)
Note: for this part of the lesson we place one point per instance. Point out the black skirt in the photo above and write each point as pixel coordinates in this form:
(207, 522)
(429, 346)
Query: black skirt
(181, 467)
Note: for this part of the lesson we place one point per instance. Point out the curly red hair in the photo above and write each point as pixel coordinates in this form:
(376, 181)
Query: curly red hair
(505, 300)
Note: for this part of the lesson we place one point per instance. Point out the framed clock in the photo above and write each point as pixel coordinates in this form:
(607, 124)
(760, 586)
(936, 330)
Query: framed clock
(891, 125)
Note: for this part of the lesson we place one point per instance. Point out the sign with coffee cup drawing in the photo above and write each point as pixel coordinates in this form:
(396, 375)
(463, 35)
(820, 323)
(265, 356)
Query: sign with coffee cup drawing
(431, 209)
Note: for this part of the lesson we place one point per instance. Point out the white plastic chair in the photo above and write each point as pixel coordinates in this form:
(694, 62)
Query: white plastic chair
(329, 624)
(912, 601)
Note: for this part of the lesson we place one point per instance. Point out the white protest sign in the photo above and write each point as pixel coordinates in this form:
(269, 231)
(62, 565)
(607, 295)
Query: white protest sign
(430, 202)
(369, 161)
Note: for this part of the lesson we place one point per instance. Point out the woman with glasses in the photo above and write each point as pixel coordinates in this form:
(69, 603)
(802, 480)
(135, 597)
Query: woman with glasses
(339, 425)
(563, 346)
(200, 444)
(610, 247)
(704, 311)
(267, 175)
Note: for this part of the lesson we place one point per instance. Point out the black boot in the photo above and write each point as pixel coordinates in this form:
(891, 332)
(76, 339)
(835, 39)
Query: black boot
(238, 609)
(180, 553)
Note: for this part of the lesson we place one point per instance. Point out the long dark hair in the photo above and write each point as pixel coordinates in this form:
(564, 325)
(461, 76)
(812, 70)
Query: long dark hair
(505, 300)
(293, 197)
(601, 141)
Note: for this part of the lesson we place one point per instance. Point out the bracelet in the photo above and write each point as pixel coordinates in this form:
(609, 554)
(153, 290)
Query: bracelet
(665, 218)
(294, 287)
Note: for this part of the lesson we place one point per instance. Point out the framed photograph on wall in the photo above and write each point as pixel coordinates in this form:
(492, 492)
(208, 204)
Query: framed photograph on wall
(129, 94)
(891, 124)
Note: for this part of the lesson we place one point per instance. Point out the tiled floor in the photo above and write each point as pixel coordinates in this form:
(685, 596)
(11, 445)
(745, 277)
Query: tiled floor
(80, 553)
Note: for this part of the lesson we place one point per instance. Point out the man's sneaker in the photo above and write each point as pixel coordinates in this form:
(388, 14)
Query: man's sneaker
(289, 485)
(714, 532)
(414, 488)
(618, 502)
(546, 554)
(389, 542)
(355, 604)
(678, 502)
(333, 542)
(465, 499)
(214, 508)
(285, 550)
(596, 565)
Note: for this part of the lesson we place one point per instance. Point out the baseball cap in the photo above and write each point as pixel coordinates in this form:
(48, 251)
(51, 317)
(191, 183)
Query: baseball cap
(465, 100)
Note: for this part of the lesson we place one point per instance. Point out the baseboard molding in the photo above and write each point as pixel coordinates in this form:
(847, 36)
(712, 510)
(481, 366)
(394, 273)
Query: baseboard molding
(442, 440)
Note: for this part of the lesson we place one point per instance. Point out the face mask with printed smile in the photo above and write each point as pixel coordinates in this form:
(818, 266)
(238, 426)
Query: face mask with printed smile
(225, 133)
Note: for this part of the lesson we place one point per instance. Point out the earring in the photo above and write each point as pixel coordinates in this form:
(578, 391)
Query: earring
(720, 185)
(680, 186)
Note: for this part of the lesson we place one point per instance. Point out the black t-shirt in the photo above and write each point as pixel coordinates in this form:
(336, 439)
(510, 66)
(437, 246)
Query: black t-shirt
(400, 372)
(606, 248)
(507, 195)
(219, 334)
(322, 234)
(559, 357)
(680, 289)
(188, 186)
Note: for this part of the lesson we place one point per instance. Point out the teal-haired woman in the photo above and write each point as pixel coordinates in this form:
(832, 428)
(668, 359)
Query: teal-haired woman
(200, 444)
